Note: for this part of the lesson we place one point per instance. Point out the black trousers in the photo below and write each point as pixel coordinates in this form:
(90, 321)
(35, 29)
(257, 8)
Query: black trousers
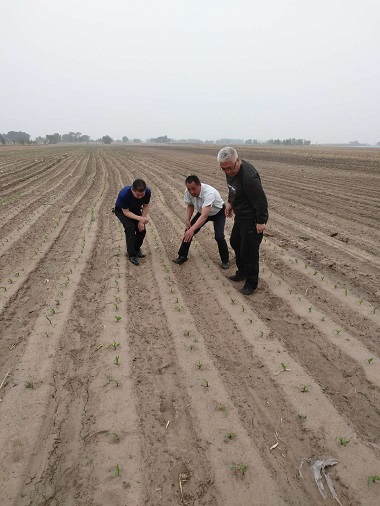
(133, 237)
(245, 242)
(219, 220)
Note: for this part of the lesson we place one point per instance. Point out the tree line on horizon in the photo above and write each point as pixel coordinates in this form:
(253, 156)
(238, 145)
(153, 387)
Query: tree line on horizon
(13, 137)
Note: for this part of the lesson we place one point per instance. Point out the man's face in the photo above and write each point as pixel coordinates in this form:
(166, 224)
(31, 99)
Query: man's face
(138, 194)
(194, 189)
(230, 168)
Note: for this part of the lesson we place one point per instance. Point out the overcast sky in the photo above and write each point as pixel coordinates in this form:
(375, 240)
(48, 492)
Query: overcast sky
(192, 68)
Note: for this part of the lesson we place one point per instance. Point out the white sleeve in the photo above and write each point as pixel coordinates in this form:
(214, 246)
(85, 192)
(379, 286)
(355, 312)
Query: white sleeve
(208, 197)
(187, 198)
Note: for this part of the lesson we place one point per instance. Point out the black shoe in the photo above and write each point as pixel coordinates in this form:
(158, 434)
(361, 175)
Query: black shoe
(225, 265)
(239, 276)
(247, 289)
(140, 254)
(180, 260)
(134, 260)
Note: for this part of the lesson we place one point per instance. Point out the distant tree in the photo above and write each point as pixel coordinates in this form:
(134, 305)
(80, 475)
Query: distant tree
(17, 137)
(163, 139)
(84, 138)
(106, 139)
(40, 140)
(53, 139)
(124, 139)
(137, 141)
(3, 139)
(378, 143)
(248, 141)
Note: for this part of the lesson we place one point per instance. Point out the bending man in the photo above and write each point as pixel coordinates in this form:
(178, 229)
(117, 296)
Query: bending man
(246, 198)
(131, 207)
(208, 203)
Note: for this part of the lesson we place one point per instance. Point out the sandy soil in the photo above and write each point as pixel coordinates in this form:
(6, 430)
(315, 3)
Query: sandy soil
(199, 409)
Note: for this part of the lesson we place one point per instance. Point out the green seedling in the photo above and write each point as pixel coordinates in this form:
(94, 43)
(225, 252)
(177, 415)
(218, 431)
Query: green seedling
(243, 309)
(249, 320)
(344, 441)
(199, 365)
(52, 311)
(233, 301)
(323, 319)
(117, 318)
(229, 436)
(223, 408)
(116, 307)
(296, 260)
(114, 381)
(360, 301)
(177, 308)
(322, 278)
(186, 333)
(48, 319)
(115, 438)
(345, 292)
(310, 308)
(335, 286)
(261, 333)
(315, 273)
(338, 331)
(284, 368)
(3, 288)
(302, 418)
(29, 384)
(57, 303)
(114, 345)
(372, 479)
(305, 388)
(10, 280)
(238, 468)
(205, 383)
(369, 360)
(17, 274)
(116, 361)
(191, 346)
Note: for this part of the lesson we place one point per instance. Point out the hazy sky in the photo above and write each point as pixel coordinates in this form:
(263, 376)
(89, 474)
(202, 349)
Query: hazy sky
(192, 68)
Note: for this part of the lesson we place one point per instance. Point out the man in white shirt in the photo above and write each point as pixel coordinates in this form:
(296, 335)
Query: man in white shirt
(209, 206)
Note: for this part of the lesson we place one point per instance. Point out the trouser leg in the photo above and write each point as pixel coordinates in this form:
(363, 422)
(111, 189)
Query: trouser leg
(235, 241)
(139, 238)
(130, 227)
(185, 246)
(250, 242)
(219, 223)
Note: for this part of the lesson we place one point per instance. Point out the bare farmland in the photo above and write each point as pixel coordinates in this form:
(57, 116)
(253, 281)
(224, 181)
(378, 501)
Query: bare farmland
(215, 398)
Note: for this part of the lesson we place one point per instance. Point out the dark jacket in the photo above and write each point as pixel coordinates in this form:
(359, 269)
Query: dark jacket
(246, 194)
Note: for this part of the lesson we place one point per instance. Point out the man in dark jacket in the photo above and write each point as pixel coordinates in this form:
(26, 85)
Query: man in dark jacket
(247, 200)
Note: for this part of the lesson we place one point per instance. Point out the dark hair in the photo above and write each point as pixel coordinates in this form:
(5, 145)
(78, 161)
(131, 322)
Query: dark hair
(193, 179)
(139, 185)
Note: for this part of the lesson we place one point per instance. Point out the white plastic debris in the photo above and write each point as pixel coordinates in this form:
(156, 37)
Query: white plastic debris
(318, 467)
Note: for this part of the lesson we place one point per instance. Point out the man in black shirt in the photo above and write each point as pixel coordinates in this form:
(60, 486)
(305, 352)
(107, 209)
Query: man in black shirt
(247, 200)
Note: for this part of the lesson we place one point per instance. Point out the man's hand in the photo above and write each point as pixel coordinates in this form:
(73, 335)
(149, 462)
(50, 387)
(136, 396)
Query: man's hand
(188, 224)
(143, 220)
(188, 235)
(228, 210)
(141, 226)
(260, 227)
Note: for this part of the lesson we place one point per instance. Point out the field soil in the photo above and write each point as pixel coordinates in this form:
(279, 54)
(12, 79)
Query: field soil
(163, 385)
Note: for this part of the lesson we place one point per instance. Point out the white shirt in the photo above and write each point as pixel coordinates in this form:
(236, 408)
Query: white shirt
(208, 196)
